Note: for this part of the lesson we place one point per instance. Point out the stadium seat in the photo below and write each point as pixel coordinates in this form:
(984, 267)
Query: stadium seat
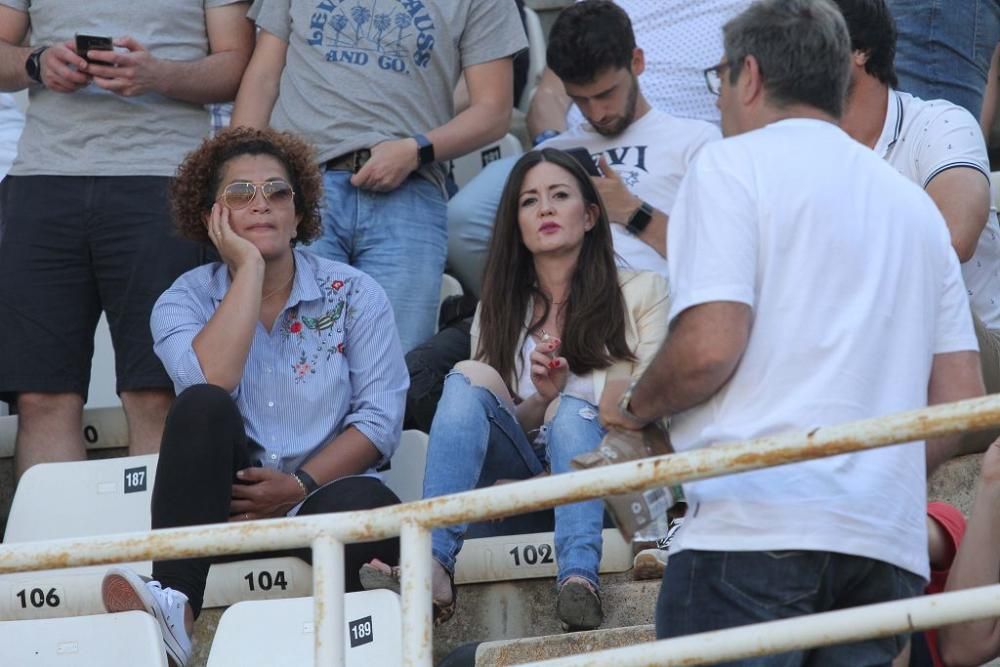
(105, 497)
(503, 558)
(465, 168)
(129, 639)
(536, 57)
(406, 475)
(995, 190)
(531, 556)
(62, 500)
(280, 632)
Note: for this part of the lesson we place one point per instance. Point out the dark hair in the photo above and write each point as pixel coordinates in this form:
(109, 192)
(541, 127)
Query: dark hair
(587, 38)
(594, 330)
(194, 190)
(802, 47)
(873, 31)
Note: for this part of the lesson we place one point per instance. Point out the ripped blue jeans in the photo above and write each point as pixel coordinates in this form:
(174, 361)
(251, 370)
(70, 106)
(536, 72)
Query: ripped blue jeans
(475, 440)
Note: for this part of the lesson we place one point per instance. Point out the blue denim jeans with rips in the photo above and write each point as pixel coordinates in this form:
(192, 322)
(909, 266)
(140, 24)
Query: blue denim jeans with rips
(476, 440)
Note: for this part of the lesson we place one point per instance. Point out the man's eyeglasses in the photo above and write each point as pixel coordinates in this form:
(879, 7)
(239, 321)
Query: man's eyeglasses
(713, 77)
(239, 194)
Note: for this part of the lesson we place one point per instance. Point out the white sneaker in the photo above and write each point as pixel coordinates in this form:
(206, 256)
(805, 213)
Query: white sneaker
(124, 590)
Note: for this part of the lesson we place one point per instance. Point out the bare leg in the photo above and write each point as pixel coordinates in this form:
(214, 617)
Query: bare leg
(146, 411)
(49, 429)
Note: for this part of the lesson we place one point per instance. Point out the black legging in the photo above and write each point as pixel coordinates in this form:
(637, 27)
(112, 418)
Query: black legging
(204, 445)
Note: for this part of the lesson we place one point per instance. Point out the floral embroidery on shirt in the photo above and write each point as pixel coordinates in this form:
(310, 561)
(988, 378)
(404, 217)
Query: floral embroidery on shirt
(320, 338)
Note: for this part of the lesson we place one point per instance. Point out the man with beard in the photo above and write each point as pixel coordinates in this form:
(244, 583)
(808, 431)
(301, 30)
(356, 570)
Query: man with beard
(643, 154)
(643, 151)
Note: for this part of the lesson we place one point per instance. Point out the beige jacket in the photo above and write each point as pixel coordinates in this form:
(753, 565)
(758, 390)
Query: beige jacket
(646, 308)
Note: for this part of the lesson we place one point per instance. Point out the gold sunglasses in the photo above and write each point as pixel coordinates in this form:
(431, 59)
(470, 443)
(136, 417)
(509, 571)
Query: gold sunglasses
(239, 194)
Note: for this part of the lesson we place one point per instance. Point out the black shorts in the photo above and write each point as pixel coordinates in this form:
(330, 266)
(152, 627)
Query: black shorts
(73, 246)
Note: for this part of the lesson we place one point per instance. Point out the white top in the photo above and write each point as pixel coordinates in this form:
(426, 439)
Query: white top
(11, 123)
(581, 386)
(651, 156)
(854, 287)
(680, 39)
(921, 139)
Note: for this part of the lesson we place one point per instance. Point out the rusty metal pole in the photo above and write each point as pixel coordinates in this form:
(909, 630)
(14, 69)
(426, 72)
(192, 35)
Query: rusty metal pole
(793, 634)
(328, 601)
(415, 557)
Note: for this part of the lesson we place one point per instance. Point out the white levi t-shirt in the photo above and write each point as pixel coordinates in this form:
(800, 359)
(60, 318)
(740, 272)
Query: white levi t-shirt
(651, 156)
(854, 287)
(921, 139)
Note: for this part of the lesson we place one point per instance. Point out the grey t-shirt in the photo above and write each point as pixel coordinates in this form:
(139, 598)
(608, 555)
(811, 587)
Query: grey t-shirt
(93, 132)
(358, 73)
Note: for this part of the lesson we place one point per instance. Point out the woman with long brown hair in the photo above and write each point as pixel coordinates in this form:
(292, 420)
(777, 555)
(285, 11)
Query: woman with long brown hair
(557, 323)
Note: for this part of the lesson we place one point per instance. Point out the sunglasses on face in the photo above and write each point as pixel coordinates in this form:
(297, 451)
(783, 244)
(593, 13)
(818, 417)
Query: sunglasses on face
(239, 194)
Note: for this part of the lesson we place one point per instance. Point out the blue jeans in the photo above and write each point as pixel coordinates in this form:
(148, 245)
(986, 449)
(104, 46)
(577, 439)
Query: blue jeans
(471, 213)
(476, 440)
(713, 590)
(945, 47)
(399, 238)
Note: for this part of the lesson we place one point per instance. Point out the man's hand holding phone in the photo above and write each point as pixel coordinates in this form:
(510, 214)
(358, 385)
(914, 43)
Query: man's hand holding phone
(618, 199)
(62, 70)
(128, 74)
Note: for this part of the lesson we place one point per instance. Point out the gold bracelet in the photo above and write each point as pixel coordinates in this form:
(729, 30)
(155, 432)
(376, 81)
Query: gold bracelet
(305, 492)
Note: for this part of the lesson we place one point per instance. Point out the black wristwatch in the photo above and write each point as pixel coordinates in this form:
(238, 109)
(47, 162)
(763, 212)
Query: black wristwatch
(306, 480)
(425, 150)
(33, 65)
(640, 219)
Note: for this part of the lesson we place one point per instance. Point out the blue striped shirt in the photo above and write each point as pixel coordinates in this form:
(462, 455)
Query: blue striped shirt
(332, 359)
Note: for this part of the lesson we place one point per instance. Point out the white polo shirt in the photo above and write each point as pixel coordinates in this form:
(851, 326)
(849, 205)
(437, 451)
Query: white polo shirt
(651, 156)
(921, 139)
(854, 287)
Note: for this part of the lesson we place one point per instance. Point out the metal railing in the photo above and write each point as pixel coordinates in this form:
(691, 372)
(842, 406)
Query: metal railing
(326, 534)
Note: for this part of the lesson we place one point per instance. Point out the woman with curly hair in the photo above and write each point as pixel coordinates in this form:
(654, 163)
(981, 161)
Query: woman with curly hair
(559, 331)
(289, 373)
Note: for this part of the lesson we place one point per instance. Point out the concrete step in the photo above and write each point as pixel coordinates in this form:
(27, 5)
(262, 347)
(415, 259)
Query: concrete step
(526, 608)
(520, 651)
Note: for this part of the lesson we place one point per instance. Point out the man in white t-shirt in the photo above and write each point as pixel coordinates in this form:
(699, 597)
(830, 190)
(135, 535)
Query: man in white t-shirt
(939, 146)
(645, 151)
(811, 285)
(678, 36)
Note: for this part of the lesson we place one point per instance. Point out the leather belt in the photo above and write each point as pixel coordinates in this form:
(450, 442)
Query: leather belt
(351, 162)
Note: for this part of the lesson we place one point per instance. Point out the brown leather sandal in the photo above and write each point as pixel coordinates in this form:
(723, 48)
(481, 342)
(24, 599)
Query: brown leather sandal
(373, 578)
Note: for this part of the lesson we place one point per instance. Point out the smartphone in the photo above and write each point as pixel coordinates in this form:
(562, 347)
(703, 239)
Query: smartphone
(586, 160)
(86, 43)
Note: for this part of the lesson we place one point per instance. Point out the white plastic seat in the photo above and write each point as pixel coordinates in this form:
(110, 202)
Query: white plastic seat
(532, 556)
(465, 168)
(277, 633)
(536, 57)
(406, 475)
(79, 499)
(103, 428)
(129, 639)
(106, 497)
